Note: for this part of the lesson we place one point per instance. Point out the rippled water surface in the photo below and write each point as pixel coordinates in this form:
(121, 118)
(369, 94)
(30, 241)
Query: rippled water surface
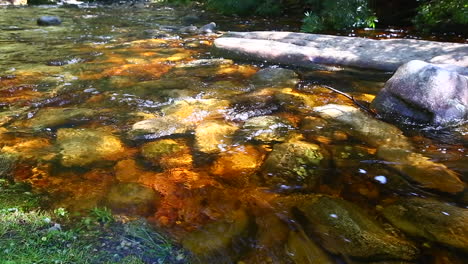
(116, 107)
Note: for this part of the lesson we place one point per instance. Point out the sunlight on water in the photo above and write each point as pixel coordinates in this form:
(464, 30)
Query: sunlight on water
(117, 108)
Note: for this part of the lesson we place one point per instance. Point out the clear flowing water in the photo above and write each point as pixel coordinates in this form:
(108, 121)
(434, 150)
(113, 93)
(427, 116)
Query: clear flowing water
(117, 108)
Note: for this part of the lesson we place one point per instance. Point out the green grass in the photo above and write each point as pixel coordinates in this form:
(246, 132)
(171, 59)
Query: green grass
(31, 235)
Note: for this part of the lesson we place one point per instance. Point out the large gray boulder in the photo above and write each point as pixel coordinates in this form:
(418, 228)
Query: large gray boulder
(424, 93)
(312, 50)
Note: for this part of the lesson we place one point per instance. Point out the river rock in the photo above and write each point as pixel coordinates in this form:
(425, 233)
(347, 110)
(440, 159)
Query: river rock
(82, 147)
(159, 127)
(54, 117)
(214, 136)
(315, 50)
(275, 77)
(49, 21)
(431, 219)
(266, 129)
(208, 28)
(343, 228)
(424, 93)
(257, 103)
(217, 237)
(304, 251)
(196, 110)
(132, 198)
(392, 146)
(295, 162)
(237, 164)
(167, 153)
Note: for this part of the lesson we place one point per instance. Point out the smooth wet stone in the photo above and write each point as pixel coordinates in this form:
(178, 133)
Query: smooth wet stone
(294, 163)
(219, 236)
(55, 117)
(214, 136)
(159, 127)
(425, 93)
(167, 153)
(271, 237)
(266, 129)
(49, 21)
(431, 219)
(363, 126)
(237, 164)
(132, 198)
(127, 171)
(291, 100)
(275, 77)
(83, 147)
(258, 103)
(393, 147)
(208, 28)
(422, 170)
(345, 229)
(303, 250)
(193, 111)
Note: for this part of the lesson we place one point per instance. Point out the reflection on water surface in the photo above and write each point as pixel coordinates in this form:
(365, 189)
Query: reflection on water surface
(240, 164)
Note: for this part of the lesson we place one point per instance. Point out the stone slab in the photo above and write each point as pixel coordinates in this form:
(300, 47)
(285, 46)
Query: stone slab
(310, 50)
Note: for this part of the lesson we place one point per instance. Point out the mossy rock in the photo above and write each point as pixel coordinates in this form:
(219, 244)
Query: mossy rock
(344, 228)
(132, 198)
(292, 163)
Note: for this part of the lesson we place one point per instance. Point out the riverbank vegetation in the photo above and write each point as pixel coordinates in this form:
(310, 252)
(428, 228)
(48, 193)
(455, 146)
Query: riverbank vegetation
(29, 234)
(323, 15)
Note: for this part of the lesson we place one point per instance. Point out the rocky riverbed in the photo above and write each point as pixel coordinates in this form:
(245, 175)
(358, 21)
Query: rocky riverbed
(239, 161)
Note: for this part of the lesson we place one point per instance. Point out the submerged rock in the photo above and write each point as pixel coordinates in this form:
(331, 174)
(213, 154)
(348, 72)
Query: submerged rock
(82, 147)
(237, 164)
(431, 219)
(345, 229)
(159, 127)
(295, 162)
(304, 251)
(218, 237)
(49, 21)
(258, 103)
(214, 136)
(132, 198)
(167, 153)
(266, 129)
(54, 117)
(424, 93)
(392, 146)
(275, 77)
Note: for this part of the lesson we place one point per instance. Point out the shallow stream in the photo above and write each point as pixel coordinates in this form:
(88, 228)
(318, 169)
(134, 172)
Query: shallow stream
(119, 107)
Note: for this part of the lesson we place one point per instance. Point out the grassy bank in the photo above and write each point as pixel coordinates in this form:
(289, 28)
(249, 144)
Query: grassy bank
(31, 235)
